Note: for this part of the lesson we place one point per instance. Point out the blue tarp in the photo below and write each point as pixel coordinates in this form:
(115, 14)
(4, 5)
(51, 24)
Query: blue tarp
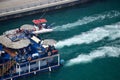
(0, 47)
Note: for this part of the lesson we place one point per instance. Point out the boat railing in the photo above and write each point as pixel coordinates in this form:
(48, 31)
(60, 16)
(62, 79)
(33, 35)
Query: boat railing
(6, 66)
(33, 66)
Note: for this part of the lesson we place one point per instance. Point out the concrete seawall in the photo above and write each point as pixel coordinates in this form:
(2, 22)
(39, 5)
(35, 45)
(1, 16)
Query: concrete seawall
(17, 8)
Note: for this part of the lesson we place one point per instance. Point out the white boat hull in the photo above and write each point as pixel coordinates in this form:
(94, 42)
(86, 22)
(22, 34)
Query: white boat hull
(42, 31)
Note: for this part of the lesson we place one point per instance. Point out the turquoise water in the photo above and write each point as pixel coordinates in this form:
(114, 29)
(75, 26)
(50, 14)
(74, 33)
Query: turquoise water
(88, 39)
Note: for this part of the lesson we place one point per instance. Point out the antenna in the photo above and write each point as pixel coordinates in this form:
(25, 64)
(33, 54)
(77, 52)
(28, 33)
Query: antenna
(43, 15)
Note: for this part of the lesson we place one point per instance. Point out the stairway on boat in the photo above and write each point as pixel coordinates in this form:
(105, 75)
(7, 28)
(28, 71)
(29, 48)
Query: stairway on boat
(6, 67)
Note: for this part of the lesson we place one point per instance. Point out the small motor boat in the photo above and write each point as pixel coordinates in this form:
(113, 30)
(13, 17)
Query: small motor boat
(40, 26)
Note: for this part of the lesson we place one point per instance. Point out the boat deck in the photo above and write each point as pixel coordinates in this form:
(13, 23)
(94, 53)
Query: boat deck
(32, 67)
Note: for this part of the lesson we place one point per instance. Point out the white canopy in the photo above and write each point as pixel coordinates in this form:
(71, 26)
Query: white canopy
(27, 27)
(14, 45)
(48, 42)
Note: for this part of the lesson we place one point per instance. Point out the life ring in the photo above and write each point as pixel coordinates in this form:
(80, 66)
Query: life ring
(29, 58)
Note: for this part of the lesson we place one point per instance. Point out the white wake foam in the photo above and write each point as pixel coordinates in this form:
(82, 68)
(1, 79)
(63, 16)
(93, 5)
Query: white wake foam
(87, 20)
(102, 52)
(97, 34)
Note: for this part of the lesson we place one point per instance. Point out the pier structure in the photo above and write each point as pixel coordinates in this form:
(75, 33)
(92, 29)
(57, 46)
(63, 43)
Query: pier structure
(18, 8)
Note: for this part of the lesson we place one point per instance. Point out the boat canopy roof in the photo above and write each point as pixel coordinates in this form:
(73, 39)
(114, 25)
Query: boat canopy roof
(51, 42)
(38, 21)
(14, 45)
(27, 27)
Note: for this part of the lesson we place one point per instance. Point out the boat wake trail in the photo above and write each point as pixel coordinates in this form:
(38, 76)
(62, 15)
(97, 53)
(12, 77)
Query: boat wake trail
(87, 20)
(97, 34)
(101, 52)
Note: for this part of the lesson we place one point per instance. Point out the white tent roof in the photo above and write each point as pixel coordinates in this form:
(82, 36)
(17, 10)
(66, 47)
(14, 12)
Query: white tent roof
(27, 27)
(48, 42)
(14, 45)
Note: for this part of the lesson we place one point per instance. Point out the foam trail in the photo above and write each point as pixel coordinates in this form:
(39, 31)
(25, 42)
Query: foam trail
(87, 20)
(102, 52)
(97, 34)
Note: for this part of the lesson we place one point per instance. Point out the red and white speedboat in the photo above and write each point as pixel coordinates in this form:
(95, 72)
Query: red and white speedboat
(39, 27)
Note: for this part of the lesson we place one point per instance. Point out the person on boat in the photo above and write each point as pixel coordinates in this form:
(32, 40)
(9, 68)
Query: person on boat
(19, 30)
(39, 26)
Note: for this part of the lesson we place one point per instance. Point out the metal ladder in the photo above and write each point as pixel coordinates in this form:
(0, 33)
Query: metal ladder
(6, 66)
